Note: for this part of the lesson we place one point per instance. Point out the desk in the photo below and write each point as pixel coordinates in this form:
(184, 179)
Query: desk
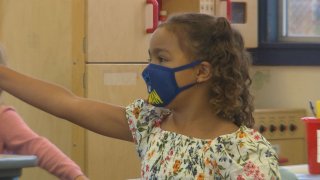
(301, 171)
(11, 165)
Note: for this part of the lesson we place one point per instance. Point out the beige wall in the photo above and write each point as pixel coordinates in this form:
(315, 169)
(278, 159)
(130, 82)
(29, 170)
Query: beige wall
(285, 86)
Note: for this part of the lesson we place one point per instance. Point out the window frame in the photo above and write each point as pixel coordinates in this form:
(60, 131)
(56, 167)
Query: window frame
(284, 25)
(273, 52)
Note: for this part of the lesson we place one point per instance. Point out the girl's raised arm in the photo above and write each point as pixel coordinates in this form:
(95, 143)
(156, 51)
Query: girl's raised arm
(102, 118)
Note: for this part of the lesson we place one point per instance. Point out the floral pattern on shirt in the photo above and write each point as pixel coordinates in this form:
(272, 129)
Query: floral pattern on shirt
(244, 154)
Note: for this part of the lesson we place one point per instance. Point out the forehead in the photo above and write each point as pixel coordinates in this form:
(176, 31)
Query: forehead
(164, 39)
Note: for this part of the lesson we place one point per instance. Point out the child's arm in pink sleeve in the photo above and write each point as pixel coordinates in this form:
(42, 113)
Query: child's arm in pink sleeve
(20, 139)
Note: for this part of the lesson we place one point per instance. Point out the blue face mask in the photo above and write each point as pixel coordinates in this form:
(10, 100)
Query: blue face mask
(161, 83)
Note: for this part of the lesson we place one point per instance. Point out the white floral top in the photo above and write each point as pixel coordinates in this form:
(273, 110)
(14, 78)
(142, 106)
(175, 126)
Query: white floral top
(244, 154)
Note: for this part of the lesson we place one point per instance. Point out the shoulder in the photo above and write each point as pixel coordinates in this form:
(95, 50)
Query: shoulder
(142, 118)
(5, 108)
(246, 141)
(9, 117)
(248, 150)
(252, 138)
(136, 109)
(143, 111)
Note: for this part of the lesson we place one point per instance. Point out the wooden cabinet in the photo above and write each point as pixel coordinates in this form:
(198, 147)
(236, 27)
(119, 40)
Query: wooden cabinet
(244, 14)
(118, 84)
(38, 39)
(115, 35)
(116, 30)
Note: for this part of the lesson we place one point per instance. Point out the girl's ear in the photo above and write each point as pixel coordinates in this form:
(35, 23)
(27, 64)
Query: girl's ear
(204, 72)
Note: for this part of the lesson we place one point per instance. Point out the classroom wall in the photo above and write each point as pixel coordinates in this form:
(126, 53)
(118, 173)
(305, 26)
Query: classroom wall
(37, 35)
(285, 86)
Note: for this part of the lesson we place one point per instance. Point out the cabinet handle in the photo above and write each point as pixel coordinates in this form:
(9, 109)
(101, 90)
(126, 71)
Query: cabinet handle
(155, 15)
(229, 10)
(283, 160)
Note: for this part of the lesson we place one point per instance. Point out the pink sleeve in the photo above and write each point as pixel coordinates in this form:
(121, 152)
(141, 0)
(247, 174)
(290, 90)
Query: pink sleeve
(18, 138)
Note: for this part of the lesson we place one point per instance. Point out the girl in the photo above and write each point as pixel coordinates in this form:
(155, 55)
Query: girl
(197, 119)
(16, 137)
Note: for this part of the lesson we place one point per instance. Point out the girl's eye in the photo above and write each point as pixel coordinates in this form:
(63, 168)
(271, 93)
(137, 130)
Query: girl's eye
(157, 60)
(161, 59)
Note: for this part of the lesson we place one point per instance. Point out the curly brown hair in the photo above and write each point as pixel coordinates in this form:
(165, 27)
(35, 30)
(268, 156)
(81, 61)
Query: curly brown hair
(212, 39)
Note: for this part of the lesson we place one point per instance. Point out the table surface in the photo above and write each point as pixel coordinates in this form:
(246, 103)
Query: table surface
(17, 161)
(301, 171)
(11, 165)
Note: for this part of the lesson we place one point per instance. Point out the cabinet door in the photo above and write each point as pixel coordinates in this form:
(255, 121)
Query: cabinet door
(248, 11)
(116, 30)
(245, 9)
(37, 38)
(285, 150)
(180, 6)
(117, 84)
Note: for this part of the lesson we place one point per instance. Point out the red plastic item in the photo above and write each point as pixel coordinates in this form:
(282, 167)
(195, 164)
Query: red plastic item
(283, 160)
(229, 10)
(155, 15)
(312, 125)
(159, 4)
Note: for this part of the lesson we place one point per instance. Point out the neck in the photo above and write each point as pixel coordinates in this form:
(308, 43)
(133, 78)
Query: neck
(193, 116)
(207, 125)
(195, 111)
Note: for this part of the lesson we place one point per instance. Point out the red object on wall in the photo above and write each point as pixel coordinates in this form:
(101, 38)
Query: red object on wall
(159, 5)
(155, 15)
(228, 9)
(283, 160)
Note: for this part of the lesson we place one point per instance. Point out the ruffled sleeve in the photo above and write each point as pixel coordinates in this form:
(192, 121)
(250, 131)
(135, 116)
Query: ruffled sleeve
(247, 155)
(142, 118)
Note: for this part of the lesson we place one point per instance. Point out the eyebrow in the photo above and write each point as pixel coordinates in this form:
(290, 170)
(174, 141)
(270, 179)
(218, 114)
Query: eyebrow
(157, 50)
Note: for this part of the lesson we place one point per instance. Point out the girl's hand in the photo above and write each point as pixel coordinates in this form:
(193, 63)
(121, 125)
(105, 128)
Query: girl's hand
(82, 177)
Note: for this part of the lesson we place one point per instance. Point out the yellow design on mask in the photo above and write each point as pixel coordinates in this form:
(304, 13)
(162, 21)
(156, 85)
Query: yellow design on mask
(154, 98)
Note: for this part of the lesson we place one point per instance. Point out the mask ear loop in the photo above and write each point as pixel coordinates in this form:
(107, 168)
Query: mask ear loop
(187, 66)
(187, 86)
(194, 63)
